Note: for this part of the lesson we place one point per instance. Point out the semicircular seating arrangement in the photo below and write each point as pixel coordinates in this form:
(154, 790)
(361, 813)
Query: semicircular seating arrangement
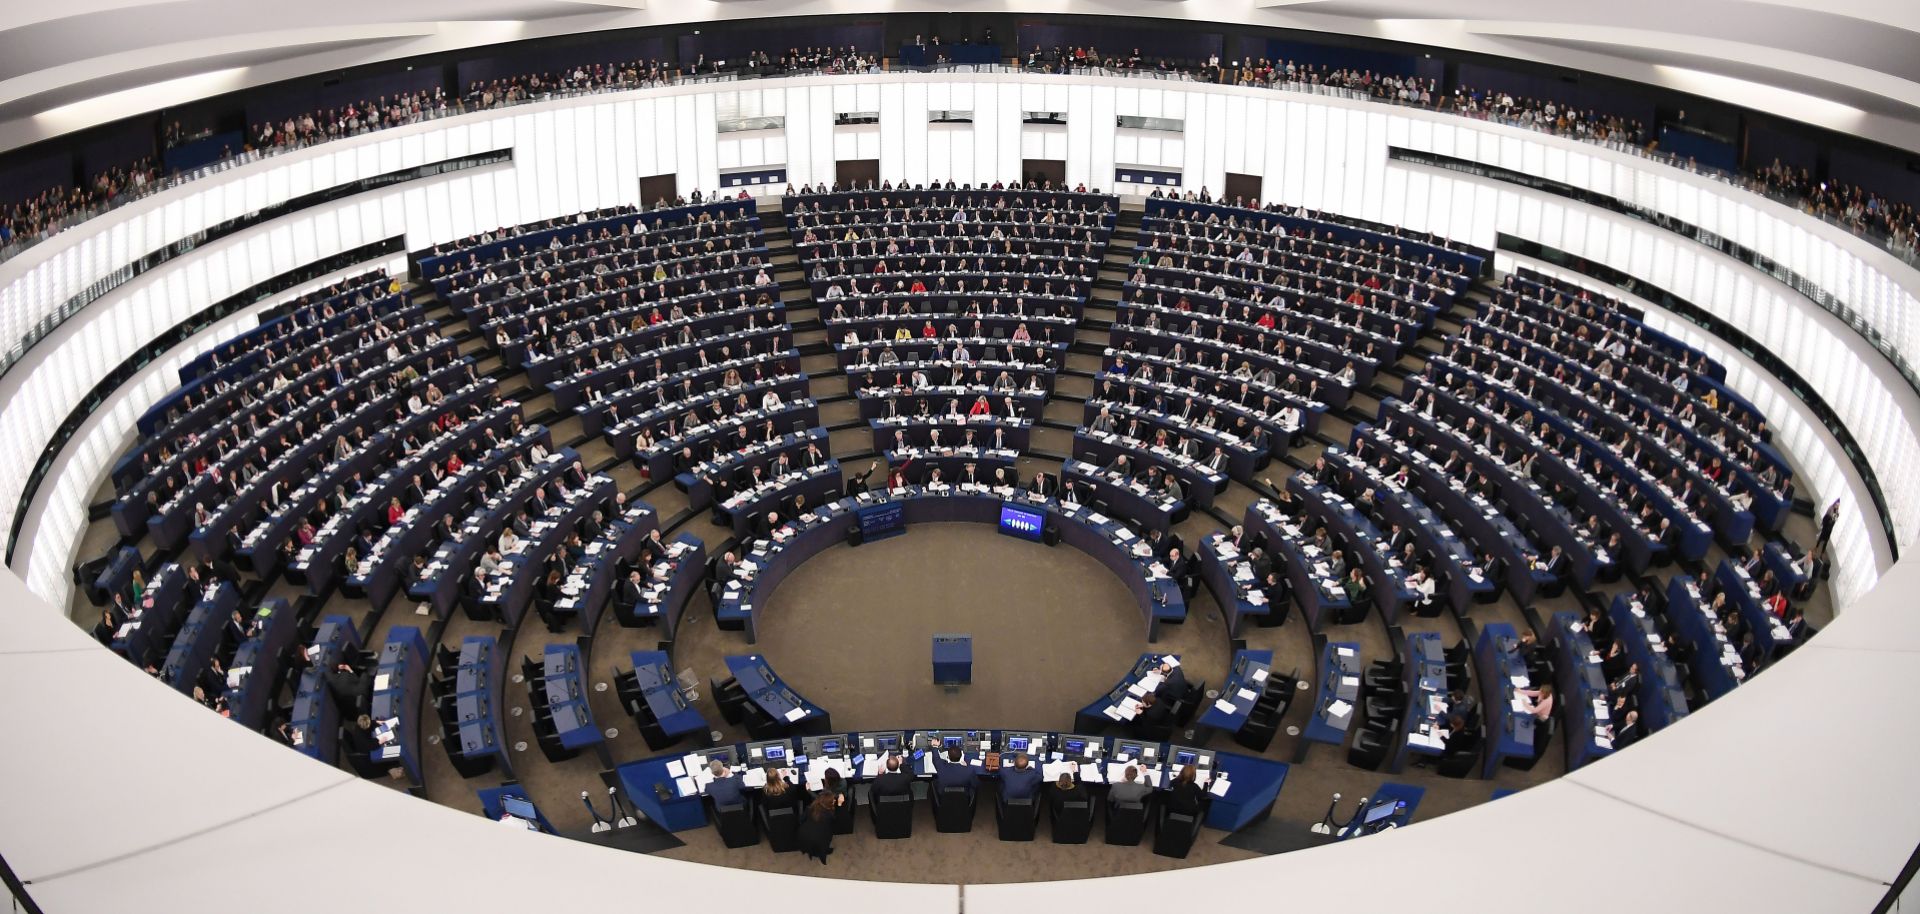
(1453, 526)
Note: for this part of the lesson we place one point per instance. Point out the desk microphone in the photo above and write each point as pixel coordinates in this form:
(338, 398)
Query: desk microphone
(1325, 825)
(599, 824)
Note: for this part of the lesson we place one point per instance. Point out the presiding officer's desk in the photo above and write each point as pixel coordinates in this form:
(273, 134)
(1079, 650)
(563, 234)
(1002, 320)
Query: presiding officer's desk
(1502, 672)
(667, 789)
(767, 563)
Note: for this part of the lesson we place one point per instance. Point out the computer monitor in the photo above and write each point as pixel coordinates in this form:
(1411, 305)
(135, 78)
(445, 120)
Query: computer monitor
(1073, 746)
(1017, 743)
(1022, 522)
(1128, 749)
(887, 742)
(1380, 811)
(1184, 757)
(519, 808)
(776, 753)
(830, 745)
(951, 742)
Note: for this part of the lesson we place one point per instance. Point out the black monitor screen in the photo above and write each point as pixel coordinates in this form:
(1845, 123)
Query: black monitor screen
(1021, 522)
(520, 808)
(951, 742)
(829, 746)
(776, 752)
(888, 742)
(1185, 758)
(1076, 746)
(1017, 743)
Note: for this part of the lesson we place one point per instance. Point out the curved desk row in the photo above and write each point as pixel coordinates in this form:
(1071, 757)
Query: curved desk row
(668, 788)
(1111, 542)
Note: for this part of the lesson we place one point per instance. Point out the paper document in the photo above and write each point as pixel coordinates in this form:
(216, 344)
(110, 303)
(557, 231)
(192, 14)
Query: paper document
(380, 682)
(1219, 787)
(796, 714)
(1339, 709)
(677, 768)
(685, 786)
(754, 777)
(1248, 694)
(1225, 707)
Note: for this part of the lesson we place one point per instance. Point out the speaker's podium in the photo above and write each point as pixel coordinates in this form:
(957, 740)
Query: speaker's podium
(952, 660)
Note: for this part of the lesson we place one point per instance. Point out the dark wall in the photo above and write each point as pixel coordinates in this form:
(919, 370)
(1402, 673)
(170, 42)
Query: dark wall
(544, 58)
(321, 94)
(1895, 180)
(1121, 39)
(734, 44)
(23, 179)
(1766, 143)
(1563, 89)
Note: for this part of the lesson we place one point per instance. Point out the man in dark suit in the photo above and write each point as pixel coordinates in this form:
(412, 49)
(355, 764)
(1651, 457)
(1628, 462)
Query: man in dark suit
(627, 594)
(1154, 714)
(893, 781)
(951, 770)
(1019, 781)
(1173, 682)
(1181, 569)
(725, 789)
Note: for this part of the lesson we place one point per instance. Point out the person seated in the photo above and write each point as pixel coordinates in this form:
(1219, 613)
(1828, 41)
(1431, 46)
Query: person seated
(893, 781)
(1129, 789)
(952, 770)
(725, 788)
(1065, 790)
(1019, 781)
(1185, 794)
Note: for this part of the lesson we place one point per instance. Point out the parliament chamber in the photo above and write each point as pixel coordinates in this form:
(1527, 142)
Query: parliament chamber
(962, 469)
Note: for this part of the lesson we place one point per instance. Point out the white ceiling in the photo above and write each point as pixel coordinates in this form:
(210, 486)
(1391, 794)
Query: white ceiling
(1851, 65)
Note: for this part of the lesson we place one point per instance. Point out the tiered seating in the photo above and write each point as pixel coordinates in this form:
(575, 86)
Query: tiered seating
(941, 278)
(165, 481)
(550, 487)
(1662, 390)
(314, 725)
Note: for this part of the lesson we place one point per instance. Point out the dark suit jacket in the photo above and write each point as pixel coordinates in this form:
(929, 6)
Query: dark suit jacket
(1019, 783)
(888, 783)
(951, 774)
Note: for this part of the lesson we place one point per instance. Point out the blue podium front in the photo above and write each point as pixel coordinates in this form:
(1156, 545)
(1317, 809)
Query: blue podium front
(952, 659)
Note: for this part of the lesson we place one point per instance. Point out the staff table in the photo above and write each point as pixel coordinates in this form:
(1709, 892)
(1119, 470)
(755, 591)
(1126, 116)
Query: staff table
(479, 697)
(668, 789)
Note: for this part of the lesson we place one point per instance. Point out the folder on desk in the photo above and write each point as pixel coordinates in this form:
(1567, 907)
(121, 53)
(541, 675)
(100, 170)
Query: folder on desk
(684, 786)
(1339, 709)
(794, 714)
(1225, 707)
(1219, 787)
(1248, 694)
(677, 768)
(1112, 712)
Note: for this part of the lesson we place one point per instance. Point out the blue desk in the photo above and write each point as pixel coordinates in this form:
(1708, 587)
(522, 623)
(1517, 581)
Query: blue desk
(479, 703)
(1250, 672)
(116, 577)
(1743, 594)
(1339, 693)
(1105, 539)
(565, 687)
(316, 719)
(952, 659)
(1716, 661)
(1426, 671)
(1114, 706)
(142, 637)
(199, 638)
(1662, 697)
(1777, 560)
(398, 684)
(490, 805)
(662, 703)
(588, 588)
(1581, 698)
(1231, 581)
(271, 633)
(767, 690)
(1252, 783)
(1366, 548)
(1453, 562)
(1502, 672)
(1321, 598)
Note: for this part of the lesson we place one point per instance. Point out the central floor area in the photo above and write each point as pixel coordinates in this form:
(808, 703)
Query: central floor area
(1052, 629)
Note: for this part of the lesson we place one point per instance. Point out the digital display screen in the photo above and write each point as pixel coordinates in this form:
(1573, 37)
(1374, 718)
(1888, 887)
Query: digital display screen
(1021, 522)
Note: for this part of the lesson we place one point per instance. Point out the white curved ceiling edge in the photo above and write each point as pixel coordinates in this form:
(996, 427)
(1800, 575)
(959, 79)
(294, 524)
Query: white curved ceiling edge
(1456, 33)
